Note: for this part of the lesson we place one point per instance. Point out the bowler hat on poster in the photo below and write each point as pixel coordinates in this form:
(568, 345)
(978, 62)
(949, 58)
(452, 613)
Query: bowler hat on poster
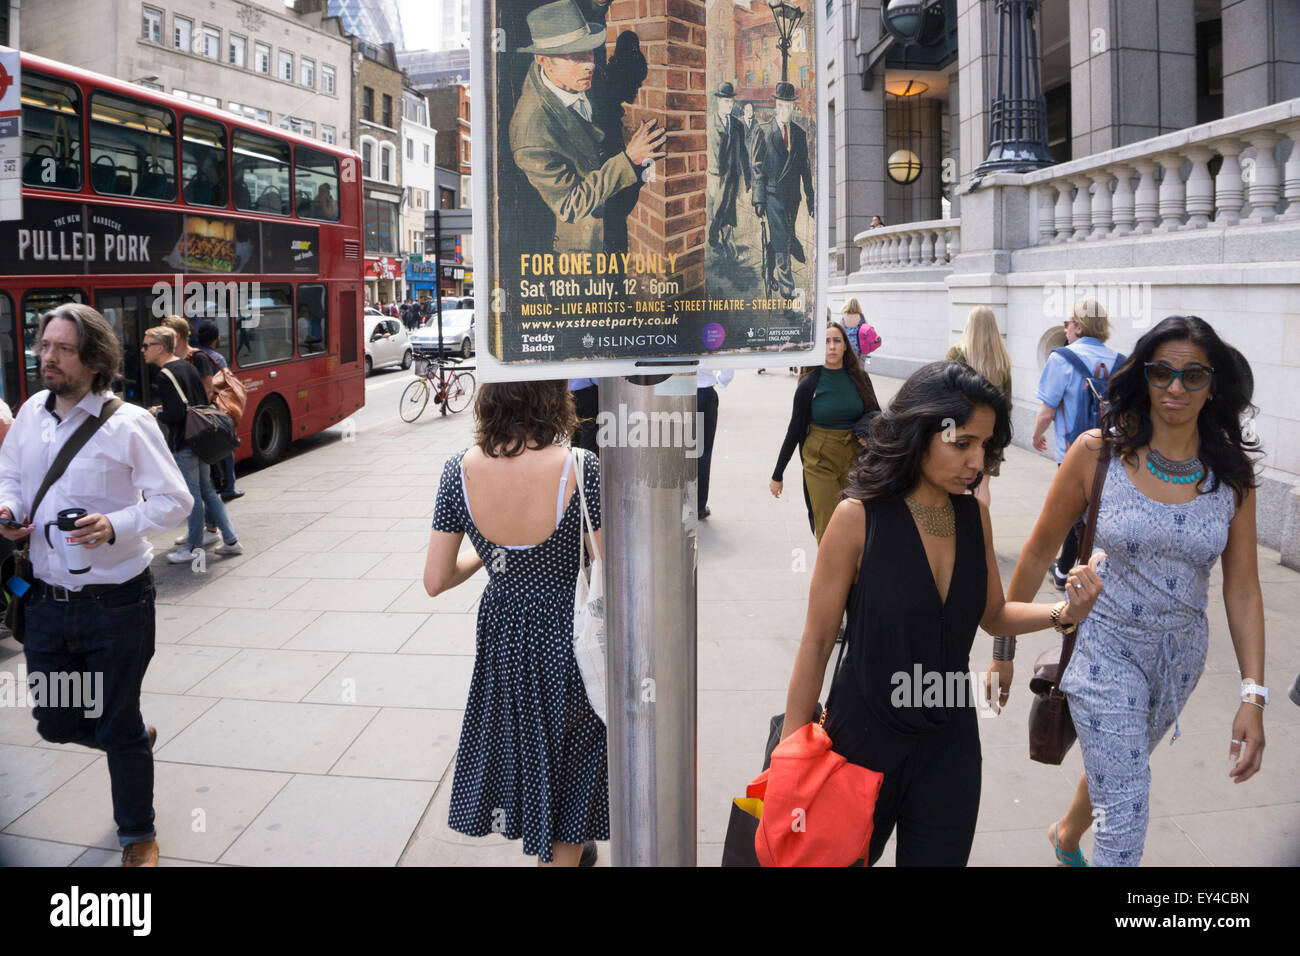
(559, 28)
(726, 92)
(786, 91)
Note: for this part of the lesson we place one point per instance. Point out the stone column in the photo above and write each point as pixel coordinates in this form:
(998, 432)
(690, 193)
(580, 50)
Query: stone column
(858, 165)
(1261, 53)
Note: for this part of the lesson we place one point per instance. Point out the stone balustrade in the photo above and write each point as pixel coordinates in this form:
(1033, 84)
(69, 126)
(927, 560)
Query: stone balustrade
(1164, 184)
(914, 244)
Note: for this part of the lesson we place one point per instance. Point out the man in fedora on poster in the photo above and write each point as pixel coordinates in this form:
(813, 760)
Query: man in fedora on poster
(554, 138)
(781, 164)
(728, 165)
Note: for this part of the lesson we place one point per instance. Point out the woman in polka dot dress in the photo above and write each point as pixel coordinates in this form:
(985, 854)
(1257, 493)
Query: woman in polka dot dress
(531, 762)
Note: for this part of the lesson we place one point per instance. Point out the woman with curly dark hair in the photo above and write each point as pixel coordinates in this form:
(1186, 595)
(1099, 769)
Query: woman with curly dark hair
(828, 401)
(1178, 495)
(531, 761)
(911, 554)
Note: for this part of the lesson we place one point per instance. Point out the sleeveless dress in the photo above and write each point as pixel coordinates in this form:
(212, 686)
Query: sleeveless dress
(903, 642)
(532, 759)
(1139, 654)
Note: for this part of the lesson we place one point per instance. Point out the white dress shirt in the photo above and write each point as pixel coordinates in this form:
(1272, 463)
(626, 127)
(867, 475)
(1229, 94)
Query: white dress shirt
(124, 472)
(577, 102)
(707, 378)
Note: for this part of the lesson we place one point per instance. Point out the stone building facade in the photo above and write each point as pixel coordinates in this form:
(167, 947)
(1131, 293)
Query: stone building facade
(377, 89)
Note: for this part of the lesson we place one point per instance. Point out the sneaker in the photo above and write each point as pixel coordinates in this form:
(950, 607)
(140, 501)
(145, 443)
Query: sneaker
(229, 496)
(180, 556)
(209, 538)
(1058, 579)
(140, 854)
(588, 857)
(233, 548)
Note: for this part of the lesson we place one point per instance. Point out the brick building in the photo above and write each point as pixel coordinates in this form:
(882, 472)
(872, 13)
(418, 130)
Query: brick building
(377, 119)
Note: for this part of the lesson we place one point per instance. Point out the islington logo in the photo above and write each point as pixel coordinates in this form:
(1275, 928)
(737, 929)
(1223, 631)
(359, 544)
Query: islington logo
(640, 341)
(588, 340)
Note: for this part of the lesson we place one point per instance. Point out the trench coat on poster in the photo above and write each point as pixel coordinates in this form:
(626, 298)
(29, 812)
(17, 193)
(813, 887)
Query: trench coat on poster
(560, 153)
(777, 175)
(728, 164)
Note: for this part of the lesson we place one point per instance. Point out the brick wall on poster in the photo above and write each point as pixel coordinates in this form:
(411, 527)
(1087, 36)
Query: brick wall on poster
(669, 217)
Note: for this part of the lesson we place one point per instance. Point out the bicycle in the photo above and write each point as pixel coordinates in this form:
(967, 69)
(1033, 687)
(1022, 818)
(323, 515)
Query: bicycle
(450, 388)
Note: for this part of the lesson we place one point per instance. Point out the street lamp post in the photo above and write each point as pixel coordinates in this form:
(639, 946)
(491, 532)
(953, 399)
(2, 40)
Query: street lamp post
(1018, 120)
(787, 17)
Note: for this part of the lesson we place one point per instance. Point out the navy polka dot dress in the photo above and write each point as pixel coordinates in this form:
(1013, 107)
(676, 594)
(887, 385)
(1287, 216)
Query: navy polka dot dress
(532, 751)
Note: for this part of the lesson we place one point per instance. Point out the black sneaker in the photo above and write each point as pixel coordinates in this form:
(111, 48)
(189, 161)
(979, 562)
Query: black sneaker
(588, 857)
(1058, 579)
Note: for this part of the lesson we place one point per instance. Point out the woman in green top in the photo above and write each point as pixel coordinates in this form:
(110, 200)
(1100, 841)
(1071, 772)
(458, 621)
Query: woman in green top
(982, 350)
(828, 401)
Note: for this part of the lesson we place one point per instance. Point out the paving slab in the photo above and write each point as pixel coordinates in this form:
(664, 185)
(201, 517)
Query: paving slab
(391, 680)
(29, 775)
(404, 744)
(444, 634)
(334, 595)
(358, 631)
(258, 674)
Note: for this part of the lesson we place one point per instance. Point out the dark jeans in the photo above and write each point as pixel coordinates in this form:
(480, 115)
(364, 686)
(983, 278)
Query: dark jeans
(708, 404)
(112, 639)
(586, 401)
(1070, 549)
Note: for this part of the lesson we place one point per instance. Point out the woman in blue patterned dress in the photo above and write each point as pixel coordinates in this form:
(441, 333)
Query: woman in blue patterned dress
(1179, 495)
(531, 761)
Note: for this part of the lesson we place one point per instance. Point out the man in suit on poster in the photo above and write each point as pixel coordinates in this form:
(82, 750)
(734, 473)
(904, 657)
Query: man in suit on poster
(554, 136)
(728, 166)
(781, 165)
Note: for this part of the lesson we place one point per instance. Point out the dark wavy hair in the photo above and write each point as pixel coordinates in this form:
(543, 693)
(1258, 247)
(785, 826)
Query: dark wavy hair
(1224, 450)
(511, 417)
(98, 346)
(935, 397)
(852, 365)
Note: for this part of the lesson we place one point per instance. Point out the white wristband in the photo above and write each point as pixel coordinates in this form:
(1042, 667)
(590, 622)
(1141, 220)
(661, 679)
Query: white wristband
(1248, 688)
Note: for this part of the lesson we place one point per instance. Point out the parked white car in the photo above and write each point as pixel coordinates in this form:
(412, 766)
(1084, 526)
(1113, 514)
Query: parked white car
(457, 331)
(388, 344)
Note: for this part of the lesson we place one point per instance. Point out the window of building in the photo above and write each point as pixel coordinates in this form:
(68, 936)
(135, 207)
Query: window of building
(197, 97)
(203, 164)
(417, 242)
(51, 133)
(426, 154)
(446, 198)
(368, 104)
(388, 111)
(464, 150)
(152, 26)
(261, 173)
(286, 66)
(327, 134)
(248, 112)
(386, 163)
(466, 193)
(410, 148)
(316, 180)
(182, 33)
(262, 57)
(150, 85)
(327, 79)
(313, 329)
(266, 334)
(212, 43)
(35, 304)
(132, 148)
(307, 72)
(381, 227)
(238, 51)
(367, 158)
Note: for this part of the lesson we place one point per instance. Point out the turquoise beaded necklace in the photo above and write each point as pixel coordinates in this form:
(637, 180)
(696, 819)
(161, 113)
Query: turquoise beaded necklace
(1175, 472)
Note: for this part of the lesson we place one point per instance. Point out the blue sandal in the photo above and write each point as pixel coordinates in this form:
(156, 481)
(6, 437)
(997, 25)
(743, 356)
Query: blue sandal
(1075, 858)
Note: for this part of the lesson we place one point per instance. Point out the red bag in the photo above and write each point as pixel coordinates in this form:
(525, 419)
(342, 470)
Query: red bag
(818, 809)
(868, 339)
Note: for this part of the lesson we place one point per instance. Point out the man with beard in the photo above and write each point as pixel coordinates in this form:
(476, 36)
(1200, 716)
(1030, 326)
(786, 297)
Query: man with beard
(96, 626)
(555, 139)
(780, 165)
(728, 165)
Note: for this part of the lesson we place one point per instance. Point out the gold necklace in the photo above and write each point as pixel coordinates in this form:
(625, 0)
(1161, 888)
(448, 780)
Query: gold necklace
(940, 521)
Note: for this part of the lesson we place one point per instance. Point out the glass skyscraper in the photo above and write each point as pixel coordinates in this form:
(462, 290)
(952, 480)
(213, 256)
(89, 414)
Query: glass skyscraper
(376, 21)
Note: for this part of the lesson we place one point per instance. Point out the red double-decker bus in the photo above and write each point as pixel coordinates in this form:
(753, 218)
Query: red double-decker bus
(145, 205)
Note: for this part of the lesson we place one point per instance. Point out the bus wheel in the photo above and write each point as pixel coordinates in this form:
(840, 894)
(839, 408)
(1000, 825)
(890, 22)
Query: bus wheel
(270, 431)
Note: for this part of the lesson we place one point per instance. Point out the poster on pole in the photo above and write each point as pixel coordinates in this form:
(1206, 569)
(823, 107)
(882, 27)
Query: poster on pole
(646, 186)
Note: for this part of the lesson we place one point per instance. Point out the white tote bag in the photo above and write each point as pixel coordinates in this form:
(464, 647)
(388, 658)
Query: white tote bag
(589, 608)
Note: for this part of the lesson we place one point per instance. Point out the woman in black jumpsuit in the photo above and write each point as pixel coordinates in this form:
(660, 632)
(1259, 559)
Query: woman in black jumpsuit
(911, 554)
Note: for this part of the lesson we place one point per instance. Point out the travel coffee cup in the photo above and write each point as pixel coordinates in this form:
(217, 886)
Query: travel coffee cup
(76, 559)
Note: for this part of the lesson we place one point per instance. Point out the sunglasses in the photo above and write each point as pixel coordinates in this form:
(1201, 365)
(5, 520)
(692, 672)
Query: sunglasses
(1195, 377)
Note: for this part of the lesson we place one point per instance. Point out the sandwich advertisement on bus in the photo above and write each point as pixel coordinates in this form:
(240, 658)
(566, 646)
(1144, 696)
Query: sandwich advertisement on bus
(72, 238)
(650, 186)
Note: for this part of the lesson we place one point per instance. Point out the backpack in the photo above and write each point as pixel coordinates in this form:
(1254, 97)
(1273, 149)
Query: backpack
(1094, 403)
(868, 338)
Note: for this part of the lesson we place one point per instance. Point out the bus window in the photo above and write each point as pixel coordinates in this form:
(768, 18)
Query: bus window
(261, 173)
(313, 327)
(265, 329)
(8, 354)
(35, 304)
(203, 162)
(132, 149)
(51, 133)
(216, 309)
(316, 185)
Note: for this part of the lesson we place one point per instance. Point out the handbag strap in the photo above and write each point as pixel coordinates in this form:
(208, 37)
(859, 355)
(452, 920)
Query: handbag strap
(866, 549)
(71, 447)
(180, 391)
(1085, 545)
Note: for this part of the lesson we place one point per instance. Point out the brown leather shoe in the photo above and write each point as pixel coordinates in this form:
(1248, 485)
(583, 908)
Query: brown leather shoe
(153, 734)
(141, 854)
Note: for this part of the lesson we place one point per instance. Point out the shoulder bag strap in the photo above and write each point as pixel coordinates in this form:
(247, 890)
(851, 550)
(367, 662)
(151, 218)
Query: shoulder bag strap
(180, 391)
(70, 449)
(580, 476)
(1085, 542)
(1074, 359)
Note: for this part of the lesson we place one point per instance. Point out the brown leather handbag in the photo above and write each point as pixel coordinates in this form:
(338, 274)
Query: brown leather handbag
(1051, 729)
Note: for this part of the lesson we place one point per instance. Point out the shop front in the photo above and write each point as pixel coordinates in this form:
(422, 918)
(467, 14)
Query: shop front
(383, 276)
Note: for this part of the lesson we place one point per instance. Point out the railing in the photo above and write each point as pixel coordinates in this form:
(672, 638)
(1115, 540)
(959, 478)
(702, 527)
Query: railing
(1163, 184)
(913, 244)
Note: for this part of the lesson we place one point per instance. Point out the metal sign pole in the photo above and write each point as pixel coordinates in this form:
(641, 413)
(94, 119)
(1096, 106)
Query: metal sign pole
(649, 536)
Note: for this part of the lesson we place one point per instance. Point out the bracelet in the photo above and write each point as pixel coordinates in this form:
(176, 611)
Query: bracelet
(1004, 648)
(1254, 703)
